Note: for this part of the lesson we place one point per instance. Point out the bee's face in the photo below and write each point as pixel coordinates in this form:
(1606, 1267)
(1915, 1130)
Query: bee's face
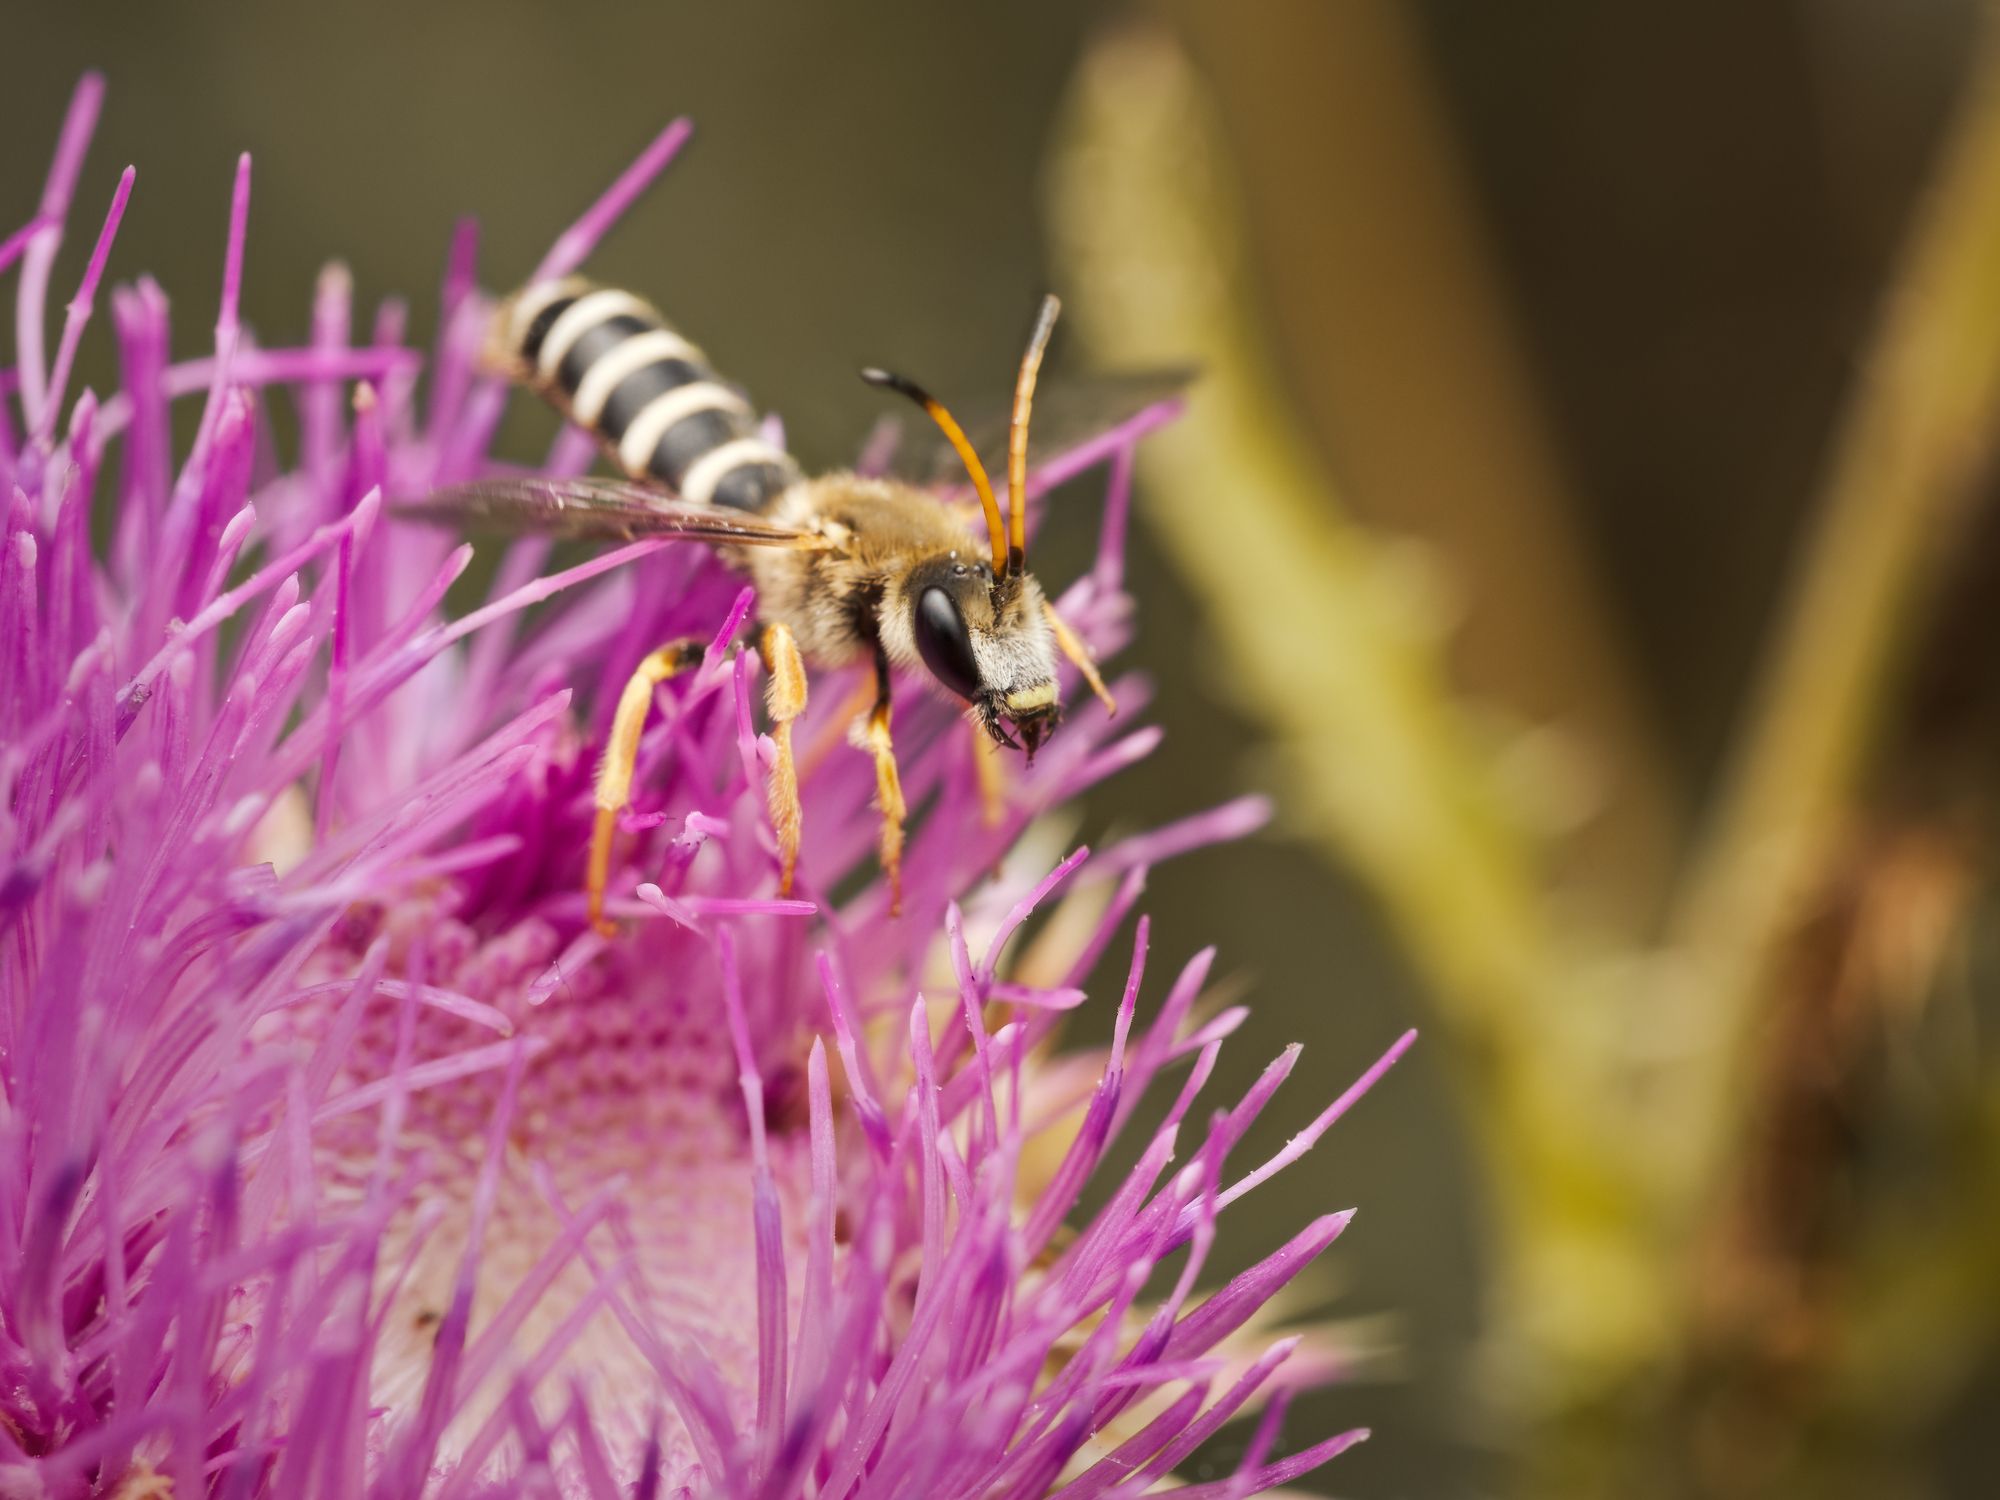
(988, 645)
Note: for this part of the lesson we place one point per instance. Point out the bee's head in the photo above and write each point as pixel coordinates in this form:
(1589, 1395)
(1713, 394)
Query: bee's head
(980, 627)
(987, 642)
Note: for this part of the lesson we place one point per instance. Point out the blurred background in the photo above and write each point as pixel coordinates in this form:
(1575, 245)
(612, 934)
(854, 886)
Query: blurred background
(1584, 528)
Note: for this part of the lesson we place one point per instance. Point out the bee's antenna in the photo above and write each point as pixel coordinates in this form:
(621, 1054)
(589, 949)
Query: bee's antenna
(1017, 434)
(996, 528)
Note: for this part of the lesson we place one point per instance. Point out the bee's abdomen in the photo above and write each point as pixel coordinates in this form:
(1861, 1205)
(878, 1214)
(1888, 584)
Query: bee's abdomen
(616, 367)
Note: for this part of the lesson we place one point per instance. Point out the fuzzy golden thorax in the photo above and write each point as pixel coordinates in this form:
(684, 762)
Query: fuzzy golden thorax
(906, 576)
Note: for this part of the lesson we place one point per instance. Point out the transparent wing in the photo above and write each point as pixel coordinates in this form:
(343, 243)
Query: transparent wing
(602, 509)
(1068, 415)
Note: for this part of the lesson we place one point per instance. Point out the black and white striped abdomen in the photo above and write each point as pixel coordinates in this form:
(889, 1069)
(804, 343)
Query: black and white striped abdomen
(611, 362)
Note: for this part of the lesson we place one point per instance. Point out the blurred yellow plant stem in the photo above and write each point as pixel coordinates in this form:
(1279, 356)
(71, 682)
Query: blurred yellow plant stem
(1605, 1067)
(1915, 446)
(1390, 767)
(1815, 859)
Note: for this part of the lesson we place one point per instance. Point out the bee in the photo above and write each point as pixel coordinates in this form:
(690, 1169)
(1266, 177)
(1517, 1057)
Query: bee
(847, 568)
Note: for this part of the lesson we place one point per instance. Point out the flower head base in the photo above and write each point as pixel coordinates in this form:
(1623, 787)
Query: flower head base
(339, 1156)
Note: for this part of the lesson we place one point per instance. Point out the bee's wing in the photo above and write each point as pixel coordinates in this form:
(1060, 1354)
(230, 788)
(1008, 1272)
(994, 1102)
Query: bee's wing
(602, 509)
(1069, 414)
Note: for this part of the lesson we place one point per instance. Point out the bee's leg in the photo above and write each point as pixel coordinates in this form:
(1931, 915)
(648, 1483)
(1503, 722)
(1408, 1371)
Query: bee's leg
(1073, 647)
(986, 769)
(888, 784)
(785, 700)
(621, 751)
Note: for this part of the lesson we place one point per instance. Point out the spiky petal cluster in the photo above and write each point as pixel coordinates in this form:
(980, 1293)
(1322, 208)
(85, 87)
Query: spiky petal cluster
(339, 1157)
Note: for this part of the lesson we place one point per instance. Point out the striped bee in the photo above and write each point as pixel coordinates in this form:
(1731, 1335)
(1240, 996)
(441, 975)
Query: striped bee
(847, 568)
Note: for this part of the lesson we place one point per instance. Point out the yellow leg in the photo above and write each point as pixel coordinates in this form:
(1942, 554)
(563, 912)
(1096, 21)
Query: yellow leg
(785, 700)
(888, 785)
(1073, 647)
(986, 769)
(614, 775)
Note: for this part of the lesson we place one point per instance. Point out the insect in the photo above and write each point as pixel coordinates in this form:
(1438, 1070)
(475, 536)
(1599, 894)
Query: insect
(847, 568)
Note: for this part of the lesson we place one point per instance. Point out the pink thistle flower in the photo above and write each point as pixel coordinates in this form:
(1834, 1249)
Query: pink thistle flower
(340, 1157)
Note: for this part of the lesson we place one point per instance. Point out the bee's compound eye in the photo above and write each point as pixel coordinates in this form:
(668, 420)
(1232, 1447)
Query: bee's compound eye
(945, 644)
